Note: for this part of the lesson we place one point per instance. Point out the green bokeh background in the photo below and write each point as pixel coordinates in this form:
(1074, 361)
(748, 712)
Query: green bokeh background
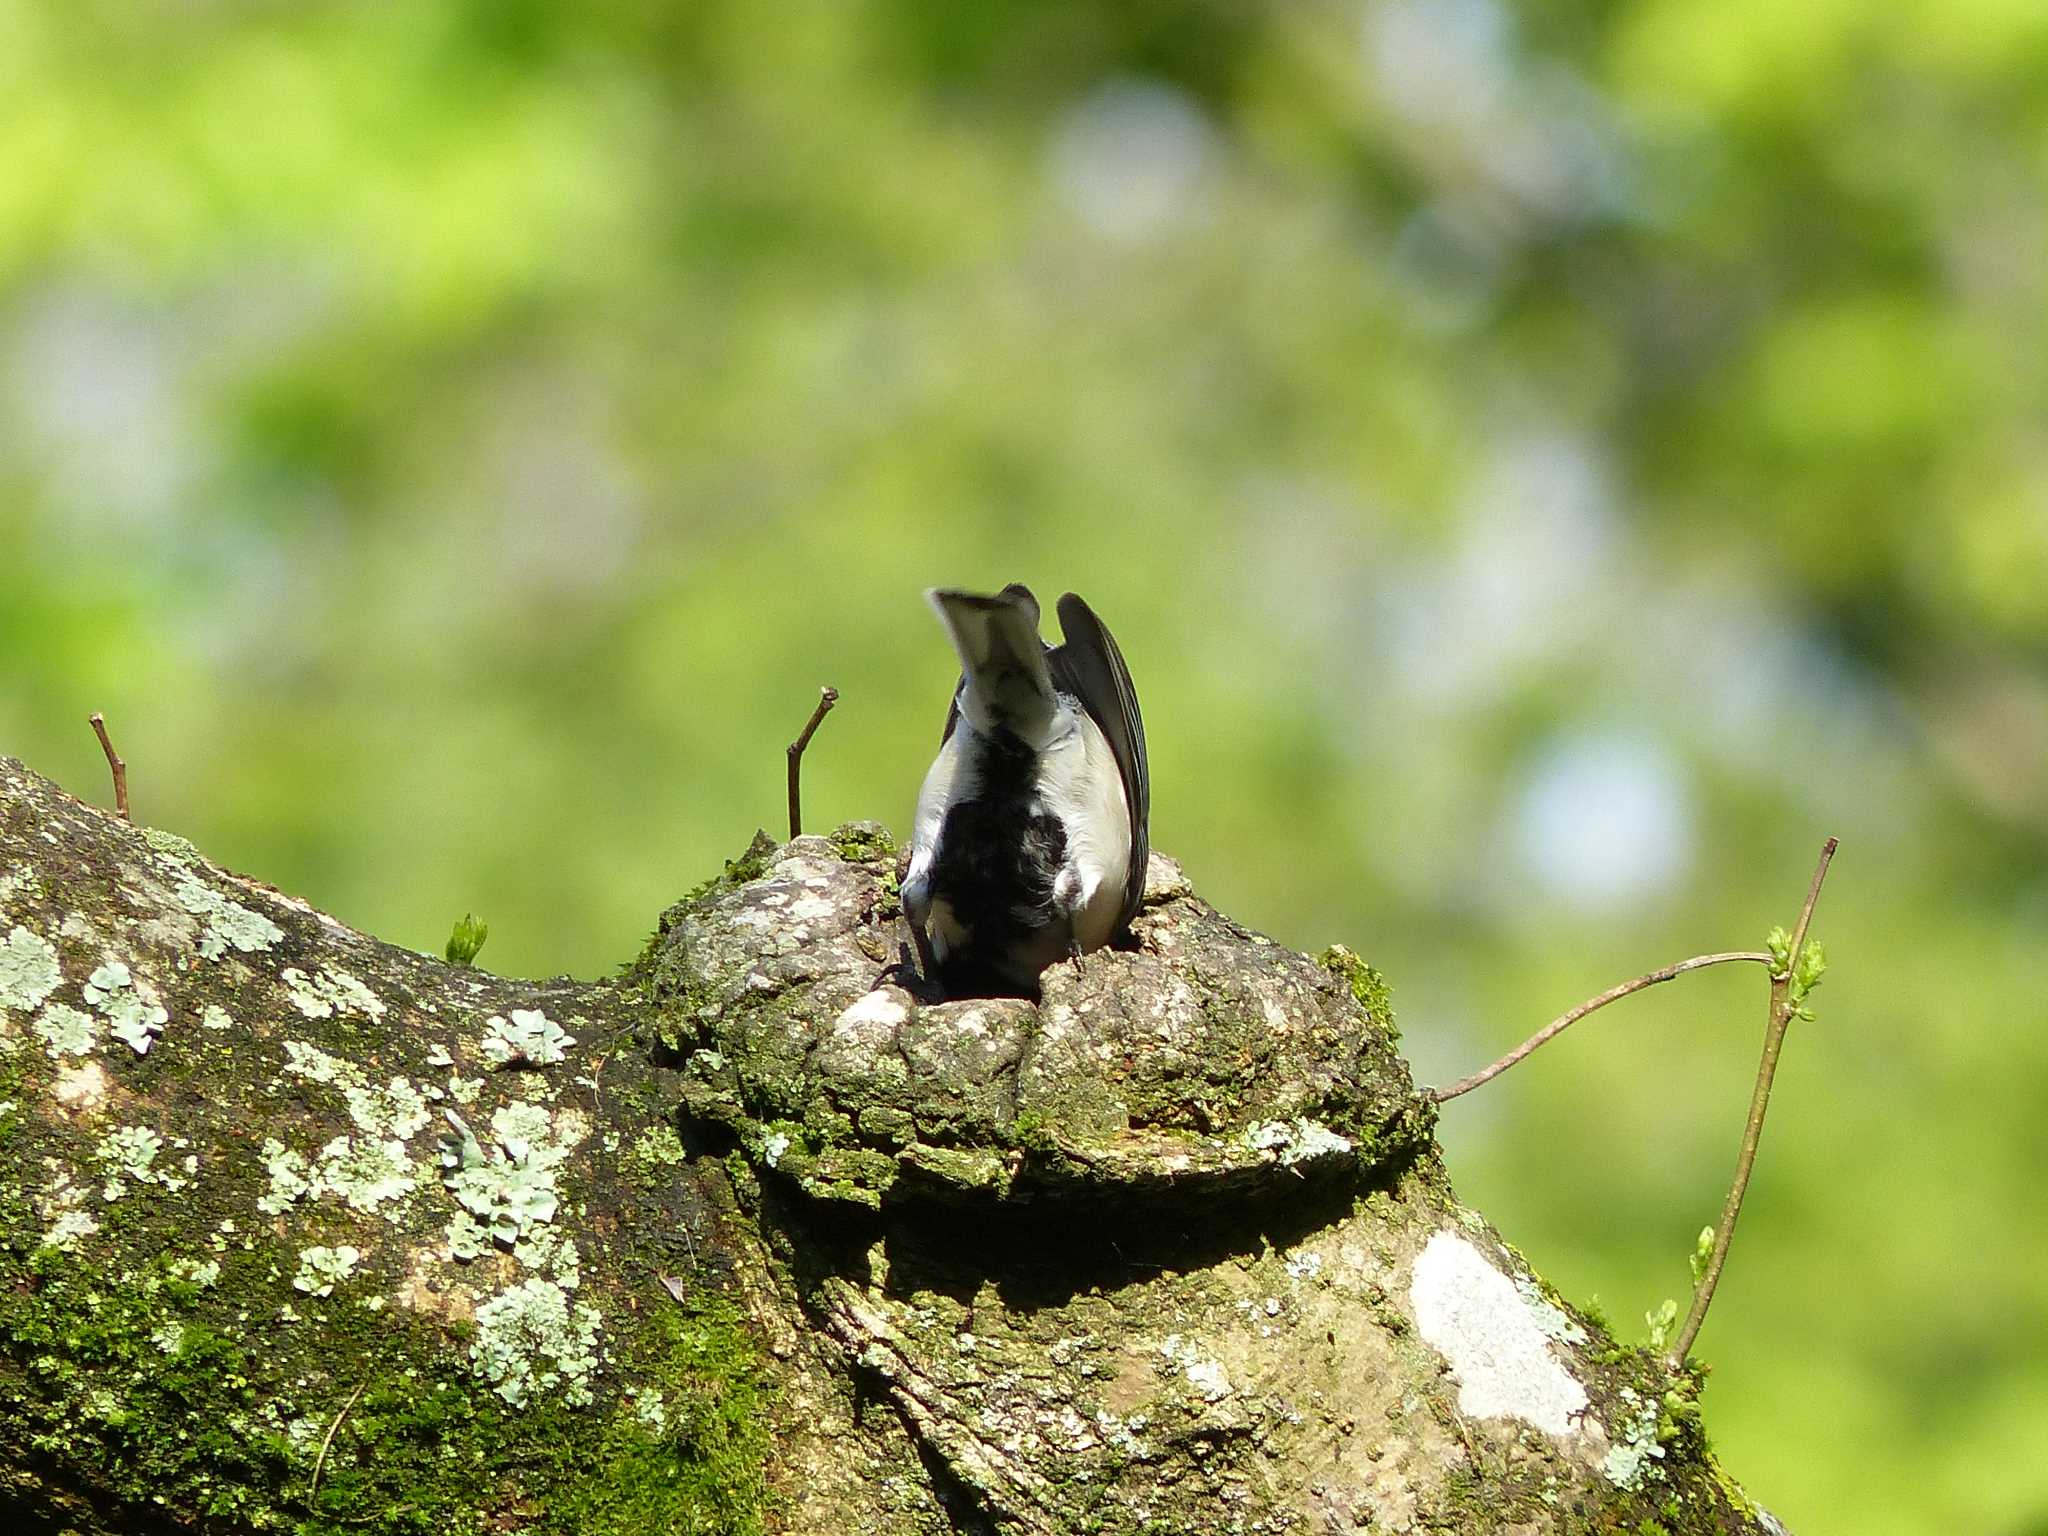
(1547, 468)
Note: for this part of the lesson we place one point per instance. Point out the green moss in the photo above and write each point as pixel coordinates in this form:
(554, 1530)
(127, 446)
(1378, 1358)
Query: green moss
(1030, 1132)
(863, 842)
(156, 1383)
(172, 1408)
(750, 865)
(651, 1159)
(171, 846)
(1367, 985)
(685, 1454)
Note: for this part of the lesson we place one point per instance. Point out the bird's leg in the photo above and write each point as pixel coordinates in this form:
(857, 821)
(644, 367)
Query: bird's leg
(927, 963)
(1066, 895)
(916, 976)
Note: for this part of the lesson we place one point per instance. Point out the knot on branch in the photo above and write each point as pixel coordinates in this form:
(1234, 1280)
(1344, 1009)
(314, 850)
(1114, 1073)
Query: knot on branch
(1200, 1058)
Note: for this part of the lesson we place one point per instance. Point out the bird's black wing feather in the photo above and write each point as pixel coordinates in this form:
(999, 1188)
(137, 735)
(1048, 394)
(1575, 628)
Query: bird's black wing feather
(1091, 667)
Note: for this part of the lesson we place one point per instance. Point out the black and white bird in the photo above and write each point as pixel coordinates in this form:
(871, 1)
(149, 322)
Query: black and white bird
(1030, 840)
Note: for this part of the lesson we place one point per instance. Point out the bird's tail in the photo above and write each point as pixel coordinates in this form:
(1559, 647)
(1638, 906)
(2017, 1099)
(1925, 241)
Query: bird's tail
(1002, 660)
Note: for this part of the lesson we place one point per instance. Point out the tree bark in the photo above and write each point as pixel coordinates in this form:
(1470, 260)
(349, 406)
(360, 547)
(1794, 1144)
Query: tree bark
(301, 1231)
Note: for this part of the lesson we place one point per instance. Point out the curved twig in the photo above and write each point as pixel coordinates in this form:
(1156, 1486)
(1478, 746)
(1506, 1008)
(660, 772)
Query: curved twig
(321, 1460)
(1564, 1021)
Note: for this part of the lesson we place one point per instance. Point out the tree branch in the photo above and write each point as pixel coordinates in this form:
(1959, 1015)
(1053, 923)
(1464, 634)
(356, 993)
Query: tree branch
(994, 1256)
(1565, 1020)
(1783, 1007)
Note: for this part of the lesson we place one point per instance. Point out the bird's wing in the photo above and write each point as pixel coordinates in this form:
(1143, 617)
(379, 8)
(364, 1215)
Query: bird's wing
(1091, 667)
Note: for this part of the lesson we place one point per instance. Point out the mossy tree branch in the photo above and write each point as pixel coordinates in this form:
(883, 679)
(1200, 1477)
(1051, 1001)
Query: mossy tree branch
(1171, 1243)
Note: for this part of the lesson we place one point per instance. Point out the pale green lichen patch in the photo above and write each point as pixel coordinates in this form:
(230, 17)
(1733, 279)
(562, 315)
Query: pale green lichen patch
(1557, 1325)
(321, 1269)
(507, 1192)
(1296, 1141)
(21, 880)
(134, 1020)
(65, 1030)
(1202, 1371)
(1636, 1445)
(28, 970)
(363, 1172)
(204, 1273)
(527, 1036)
(330, 992)
(169, 845)
(224, 924)
(69, 1229)
(291, 1180)
(649, 1408)
(531, 1339)
(367, 1170)
(654, 1153)
(316, 1066)
(130, 1152)
(395, 1110)
(227, 924)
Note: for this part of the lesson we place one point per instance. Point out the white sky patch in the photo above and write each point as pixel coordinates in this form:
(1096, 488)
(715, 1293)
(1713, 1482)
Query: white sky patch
(1473, 1316)
(1133, 159)
(1604, 819)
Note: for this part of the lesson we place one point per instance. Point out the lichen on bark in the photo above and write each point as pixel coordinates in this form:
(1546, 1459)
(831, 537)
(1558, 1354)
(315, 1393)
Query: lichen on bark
(755, 1238)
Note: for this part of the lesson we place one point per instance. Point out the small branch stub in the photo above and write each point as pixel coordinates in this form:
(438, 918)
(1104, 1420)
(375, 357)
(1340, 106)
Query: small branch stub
(827, 697)
(120, 769)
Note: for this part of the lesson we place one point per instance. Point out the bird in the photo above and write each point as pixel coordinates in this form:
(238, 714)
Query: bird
(1030, 839)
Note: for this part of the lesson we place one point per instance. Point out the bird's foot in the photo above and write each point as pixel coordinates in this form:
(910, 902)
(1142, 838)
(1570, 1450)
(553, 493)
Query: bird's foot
(919, 976)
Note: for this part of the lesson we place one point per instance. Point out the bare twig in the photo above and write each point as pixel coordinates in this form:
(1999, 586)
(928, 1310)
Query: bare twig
(99, 726)
(827, 697)
(321, 1460)
(1783, 1008)
(1564, 1021)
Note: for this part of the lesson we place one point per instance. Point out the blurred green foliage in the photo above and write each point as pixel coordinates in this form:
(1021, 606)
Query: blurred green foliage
(1546, 469)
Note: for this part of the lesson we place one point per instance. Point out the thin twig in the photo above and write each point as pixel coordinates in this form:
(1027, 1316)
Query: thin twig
(827, 697)
(1564, 1021)
(1782, 1009)
(99, 726)
(321, 1460)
